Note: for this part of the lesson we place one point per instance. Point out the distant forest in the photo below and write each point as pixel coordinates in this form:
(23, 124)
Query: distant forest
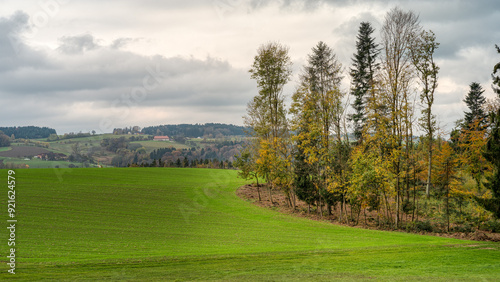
(28, 132)
(209, 130)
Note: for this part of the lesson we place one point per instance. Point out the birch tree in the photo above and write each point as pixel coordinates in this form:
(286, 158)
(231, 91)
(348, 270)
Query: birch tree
(397, 69)
(423, 59)
(266, 114)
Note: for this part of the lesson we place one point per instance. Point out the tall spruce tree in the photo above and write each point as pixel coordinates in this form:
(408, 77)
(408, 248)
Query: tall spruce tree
(496, 78)
(362, 73)
(492, 151)
(475, 102)
(492, 154)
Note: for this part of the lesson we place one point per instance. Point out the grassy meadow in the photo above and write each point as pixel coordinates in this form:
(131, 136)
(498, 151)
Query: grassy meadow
(187, 224)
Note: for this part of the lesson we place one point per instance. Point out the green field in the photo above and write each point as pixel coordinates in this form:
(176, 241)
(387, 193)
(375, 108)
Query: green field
(187, 224)
(154, 145)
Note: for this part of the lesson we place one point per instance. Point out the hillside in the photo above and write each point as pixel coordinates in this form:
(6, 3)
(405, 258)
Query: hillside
(187, 224)
(85, 150)
(207, 130)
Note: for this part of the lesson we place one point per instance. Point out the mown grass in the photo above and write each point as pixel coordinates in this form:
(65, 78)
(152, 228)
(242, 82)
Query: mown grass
(188, 224)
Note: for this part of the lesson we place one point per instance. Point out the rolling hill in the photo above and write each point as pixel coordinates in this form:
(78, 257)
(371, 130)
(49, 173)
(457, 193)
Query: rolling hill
(188, 224)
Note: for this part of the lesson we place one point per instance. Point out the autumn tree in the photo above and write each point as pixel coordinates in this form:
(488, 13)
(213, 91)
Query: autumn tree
(446, 169)
(306, 140)
(398, 32)
(246, 162)
(266, 113)
(422, 54)
(271, 70)
(472, 142)
(317, 109)
(364, 66)
(370, 178)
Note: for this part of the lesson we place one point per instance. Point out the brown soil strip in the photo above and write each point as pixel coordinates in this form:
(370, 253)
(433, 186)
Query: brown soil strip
(279, 203)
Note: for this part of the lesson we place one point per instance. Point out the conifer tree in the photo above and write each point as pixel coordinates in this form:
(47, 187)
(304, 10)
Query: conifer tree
(362, 73)
(492, 154)
(492, 151)
(496, 77)
(475, 102)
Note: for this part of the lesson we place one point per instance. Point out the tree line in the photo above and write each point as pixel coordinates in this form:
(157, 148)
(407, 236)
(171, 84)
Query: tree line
(398, 178)
(210, 156)
(208, 130)
(27, 132)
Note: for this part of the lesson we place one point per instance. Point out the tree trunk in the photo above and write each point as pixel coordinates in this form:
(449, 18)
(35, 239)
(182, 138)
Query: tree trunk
(429, 172)
(345, 209)
(364, 212)
(258, 187)
(387, 208)
(341, 210)
(448, 207)
(414, 194)
(397, 203)
(320, 208)
(270, 195)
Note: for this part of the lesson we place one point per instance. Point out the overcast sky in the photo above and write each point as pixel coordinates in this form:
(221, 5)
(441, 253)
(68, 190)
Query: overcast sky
(96, 65)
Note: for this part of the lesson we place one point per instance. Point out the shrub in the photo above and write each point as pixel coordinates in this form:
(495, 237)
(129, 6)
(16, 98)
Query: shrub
(465, 228)
(491, 225)
(418, 226)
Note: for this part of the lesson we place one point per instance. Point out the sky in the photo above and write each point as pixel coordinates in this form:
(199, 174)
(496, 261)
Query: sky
(79, 66)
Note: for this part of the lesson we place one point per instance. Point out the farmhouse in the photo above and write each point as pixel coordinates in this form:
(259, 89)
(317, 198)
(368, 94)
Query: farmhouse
(161, 138)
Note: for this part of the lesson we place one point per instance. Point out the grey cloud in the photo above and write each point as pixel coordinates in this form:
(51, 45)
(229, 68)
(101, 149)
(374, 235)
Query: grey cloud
(14, 53)
(85, 81)
(121, 42)
(77, 44)
(10, 29)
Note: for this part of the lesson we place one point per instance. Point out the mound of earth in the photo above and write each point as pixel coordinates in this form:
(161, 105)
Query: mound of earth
(23, 152)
